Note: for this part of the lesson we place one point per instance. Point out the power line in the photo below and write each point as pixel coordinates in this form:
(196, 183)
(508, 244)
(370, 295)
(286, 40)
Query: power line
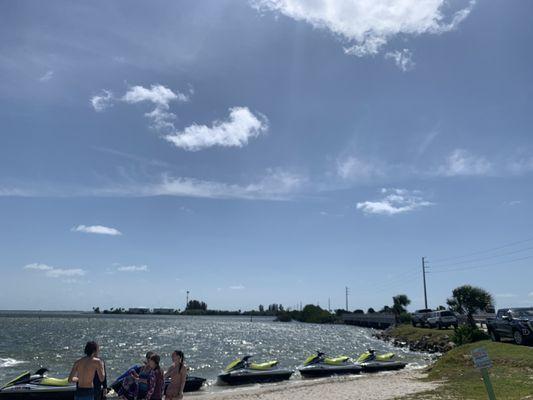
(483, 251)
(481, 266)
(485, 258)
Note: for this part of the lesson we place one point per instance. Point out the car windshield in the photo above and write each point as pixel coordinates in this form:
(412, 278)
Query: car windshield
(446, 314)
(527, 313)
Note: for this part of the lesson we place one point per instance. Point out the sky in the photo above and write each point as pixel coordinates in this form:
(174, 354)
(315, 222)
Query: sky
(264, 151)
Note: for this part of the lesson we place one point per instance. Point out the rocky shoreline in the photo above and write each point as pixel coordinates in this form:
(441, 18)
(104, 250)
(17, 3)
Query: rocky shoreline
(427, 343)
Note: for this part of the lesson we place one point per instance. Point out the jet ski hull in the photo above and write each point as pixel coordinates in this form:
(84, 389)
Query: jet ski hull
(37, 392)
(377, 366)
(321, 370)
(247, 376)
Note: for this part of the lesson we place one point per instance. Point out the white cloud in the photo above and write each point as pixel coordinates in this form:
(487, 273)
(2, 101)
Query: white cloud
(275, 185)
(520, 166)
(355, 169)
(237, 287)
(97, 229)
(367, 25)
(236, 131)
(402, 58)
(506, 295)
(530, 294)
(161, 97)
(462, 163)
(54, 272)
(395, 201)
(47, 76)
(102, 101)
(133, 268)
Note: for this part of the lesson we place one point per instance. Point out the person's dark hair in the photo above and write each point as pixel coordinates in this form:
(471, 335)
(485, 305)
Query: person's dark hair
(180, 354)
(156, 359)
(91, 348)
(149, 355)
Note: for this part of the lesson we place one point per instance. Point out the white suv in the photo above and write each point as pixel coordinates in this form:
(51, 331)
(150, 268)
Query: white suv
(442, 319)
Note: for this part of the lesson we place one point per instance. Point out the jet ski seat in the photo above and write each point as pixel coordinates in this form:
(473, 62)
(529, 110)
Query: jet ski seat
(54, 382)
(336, 360)
(263, 366)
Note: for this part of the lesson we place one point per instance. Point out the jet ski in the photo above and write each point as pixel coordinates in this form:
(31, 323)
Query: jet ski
(242, 371)
(319, 365)
(38, 386)
(192, 384)
(372, 362)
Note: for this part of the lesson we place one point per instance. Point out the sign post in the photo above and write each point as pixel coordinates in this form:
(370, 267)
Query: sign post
(483, 363)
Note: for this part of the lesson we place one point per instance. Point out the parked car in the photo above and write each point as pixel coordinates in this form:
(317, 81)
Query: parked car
(442, 319)
(512, 323)
(419, 317)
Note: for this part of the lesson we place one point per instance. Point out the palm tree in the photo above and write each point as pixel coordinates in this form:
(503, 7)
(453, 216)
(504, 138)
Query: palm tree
(467, 300)
(399, 303)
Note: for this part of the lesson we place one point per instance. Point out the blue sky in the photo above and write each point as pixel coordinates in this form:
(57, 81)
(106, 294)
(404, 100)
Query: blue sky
(264, 151)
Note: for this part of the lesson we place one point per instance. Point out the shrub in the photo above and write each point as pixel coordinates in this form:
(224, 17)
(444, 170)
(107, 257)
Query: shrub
(468, 334)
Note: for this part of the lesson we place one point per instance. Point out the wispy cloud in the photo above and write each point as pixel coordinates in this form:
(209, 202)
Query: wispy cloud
(236, 131)
(237, 287)
(161, 97)
(53, 272)
(368, 25)
(97, 229)
(394, 201)
(133, 268)
(463, 163)
(102, 101)
(47, 76)
(402, 58)
(506, 295)
(354, 168)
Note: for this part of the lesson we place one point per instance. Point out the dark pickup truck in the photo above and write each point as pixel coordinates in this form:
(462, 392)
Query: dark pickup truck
(512, 323)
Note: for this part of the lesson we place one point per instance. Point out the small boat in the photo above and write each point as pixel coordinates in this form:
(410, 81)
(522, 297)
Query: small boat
(372, 362)
(319, 365)
(242, 371)
(192, 384)
(38, 386)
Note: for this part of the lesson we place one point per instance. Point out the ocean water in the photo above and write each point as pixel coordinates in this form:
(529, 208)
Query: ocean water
(30, 341)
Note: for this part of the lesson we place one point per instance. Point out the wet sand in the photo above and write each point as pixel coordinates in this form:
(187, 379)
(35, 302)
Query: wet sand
(381, 386)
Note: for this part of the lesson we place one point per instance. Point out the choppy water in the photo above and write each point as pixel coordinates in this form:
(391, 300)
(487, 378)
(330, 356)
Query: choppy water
(210, 343)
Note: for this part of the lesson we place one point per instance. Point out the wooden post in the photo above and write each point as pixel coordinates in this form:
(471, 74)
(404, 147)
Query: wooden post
(488, 383)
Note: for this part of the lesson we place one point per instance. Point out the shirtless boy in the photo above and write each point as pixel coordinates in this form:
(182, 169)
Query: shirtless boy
(84, 370)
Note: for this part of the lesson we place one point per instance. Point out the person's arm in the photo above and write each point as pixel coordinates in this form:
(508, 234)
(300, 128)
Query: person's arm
(183, 376)
(73, 377)
(100, 370)
(169, 372)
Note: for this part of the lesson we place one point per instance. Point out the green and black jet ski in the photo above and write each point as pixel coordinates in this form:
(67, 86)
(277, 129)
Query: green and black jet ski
(242, 371)
(319, 365)
(37, 386)
(372, 362)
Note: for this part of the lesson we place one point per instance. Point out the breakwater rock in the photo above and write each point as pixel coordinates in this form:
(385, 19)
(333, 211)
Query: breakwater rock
(417, 339)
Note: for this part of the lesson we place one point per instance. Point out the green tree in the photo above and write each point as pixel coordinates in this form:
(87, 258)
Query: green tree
(399, 304)
(371, 311)
(468, 300)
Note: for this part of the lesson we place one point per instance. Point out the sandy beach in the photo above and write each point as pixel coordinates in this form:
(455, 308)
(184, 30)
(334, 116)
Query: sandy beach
(376, 387)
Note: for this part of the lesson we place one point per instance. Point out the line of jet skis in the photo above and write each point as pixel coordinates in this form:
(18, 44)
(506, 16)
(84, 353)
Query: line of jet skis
(239, 372)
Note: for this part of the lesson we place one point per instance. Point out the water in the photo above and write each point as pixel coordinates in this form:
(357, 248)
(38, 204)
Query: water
(28, 342)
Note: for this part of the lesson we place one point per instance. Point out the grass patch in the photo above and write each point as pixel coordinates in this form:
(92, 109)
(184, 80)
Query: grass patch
(512, 374)
(408, 333)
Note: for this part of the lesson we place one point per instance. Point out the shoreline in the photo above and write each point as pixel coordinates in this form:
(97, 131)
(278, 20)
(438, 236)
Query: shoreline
(380, 386)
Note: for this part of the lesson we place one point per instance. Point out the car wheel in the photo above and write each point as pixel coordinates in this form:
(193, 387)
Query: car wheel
(455, 326)
(518, 338)
(413, 323)
(494, 336)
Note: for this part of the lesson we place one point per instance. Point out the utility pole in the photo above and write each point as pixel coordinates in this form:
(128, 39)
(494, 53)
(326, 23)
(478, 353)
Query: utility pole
(424, 278)
(187, 303)
(347, 293)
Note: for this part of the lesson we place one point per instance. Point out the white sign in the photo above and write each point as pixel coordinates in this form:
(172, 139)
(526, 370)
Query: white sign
(481, 358)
